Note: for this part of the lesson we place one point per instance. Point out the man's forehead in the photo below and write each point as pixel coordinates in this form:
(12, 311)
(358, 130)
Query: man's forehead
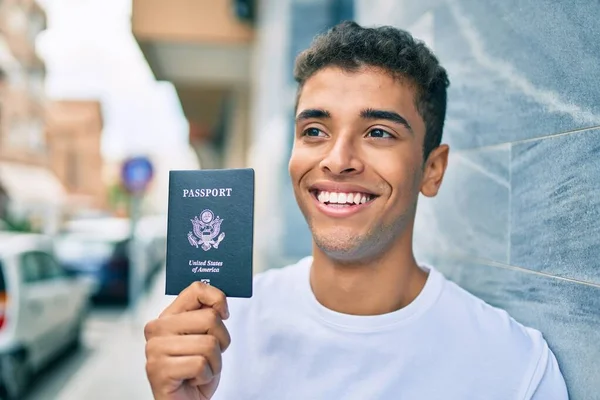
(331, 77)
(365, 88)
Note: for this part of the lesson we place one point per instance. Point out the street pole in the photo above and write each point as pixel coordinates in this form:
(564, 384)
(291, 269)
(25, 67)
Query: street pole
(136, 174)
(135, 203)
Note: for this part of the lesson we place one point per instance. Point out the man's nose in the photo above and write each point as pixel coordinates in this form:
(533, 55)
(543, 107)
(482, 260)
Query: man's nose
(342, 158)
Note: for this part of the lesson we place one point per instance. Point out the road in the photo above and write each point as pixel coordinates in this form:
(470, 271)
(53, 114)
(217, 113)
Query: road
(101, 323)
(110, 364)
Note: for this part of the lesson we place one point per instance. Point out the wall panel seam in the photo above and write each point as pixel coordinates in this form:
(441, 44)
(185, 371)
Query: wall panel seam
(528, 140)
(492, 263)
(509, 236)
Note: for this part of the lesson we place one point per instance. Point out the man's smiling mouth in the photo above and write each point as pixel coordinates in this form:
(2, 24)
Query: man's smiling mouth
(337, 200)
(342, 199)
(341, 204)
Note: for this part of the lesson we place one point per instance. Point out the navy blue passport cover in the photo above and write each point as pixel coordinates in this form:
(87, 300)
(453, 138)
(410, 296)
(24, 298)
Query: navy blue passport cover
(210, 230)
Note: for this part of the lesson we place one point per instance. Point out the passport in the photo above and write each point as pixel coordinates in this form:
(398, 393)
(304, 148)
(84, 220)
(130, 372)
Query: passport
(210, 226)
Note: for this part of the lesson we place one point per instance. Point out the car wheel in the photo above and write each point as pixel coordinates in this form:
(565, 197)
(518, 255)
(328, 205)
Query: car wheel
(15, 375)
(78, 334)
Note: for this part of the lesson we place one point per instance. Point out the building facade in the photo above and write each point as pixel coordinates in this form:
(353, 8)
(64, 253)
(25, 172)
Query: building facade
(205, 51)
(22, 98)
(31, 192)
(50, 158)
(73, 135)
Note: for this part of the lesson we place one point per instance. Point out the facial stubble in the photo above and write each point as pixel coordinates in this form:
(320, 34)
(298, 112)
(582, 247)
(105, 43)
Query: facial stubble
(347, 247)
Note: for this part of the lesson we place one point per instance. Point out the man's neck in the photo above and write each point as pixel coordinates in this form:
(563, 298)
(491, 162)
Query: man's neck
(374, 288)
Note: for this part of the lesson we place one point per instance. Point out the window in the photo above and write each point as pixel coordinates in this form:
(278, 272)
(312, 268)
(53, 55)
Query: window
(73, 169)
(36, 83)
(2, 281)
(30, 268)
(39, 266)
(36, 134)
(36, 24)
(49, 267)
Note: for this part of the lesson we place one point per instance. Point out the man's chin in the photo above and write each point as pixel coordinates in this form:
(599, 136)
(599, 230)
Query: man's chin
(341, 246)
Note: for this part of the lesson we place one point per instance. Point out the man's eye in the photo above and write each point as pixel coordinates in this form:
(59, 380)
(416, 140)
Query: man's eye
(313, 132)
(379, 133)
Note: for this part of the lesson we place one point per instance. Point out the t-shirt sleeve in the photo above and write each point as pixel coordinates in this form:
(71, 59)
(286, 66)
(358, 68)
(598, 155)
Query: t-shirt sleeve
(548, 382)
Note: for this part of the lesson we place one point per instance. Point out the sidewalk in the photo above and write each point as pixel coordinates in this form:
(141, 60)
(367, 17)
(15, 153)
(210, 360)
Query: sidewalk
(117, 372)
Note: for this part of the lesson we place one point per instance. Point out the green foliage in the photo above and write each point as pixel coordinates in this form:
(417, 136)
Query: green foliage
(14, 224)
(117, 196)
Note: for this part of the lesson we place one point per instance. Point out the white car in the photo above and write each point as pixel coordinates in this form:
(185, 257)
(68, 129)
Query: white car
(42, 309)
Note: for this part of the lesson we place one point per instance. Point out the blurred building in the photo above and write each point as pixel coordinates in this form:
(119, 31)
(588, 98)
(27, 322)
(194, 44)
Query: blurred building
(204, 49)
(49, 151)
(218, 57)
(74, 133)
(22, 92)
(29, 186)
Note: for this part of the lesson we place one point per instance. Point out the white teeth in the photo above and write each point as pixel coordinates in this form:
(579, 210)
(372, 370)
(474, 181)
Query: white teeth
(342, 198)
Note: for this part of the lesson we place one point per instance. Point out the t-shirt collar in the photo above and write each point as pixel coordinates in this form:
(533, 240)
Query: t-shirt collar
(372, 323)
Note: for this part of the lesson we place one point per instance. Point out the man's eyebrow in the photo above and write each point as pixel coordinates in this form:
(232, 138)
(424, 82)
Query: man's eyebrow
(393, 116)
(312, 113)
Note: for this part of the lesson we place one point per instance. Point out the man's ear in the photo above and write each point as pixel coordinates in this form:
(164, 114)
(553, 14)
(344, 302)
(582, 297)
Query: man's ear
(434, 170)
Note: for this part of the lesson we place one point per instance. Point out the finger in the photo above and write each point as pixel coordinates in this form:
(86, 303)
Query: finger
(197, 295)
(169, 370)
(198, 322)
(189, 345)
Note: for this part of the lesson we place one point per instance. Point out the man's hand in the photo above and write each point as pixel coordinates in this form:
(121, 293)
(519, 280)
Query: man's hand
(184, 345)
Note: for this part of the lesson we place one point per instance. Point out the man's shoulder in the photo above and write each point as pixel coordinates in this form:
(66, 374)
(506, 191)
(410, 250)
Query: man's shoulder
(488, 322)
(490, 334)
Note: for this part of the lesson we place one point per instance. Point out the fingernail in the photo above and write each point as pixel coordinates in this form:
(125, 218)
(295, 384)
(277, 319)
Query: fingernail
(226, 313)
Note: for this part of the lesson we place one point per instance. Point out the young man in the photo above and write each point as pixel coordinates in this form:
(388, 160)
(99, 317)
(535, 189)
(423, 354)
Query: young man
(359, 319)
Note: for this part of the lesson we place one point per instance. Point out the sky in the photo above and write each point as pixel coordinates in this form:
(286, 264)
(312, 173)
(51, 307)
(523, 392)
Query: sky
(90, 52)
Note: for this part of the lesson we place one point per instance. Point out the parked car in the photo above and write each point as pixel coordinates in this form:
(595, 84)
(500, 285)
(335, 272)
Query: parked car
(152, 243)
(100, 257)
(100, 249)
(42, 309)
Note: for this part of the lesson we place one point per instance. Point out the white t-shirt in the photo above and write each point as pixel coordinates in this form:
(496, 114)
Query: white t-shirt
(447, 344)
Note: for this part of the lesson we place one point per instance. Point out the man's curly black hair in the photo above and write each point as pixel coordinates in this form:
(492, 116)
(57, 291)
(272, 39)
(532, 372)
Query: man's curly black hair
(350, 47)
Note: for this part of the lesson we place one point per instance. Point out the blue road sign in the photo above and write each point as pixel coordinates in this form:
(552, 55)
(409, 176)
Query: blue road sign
(136, 174)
